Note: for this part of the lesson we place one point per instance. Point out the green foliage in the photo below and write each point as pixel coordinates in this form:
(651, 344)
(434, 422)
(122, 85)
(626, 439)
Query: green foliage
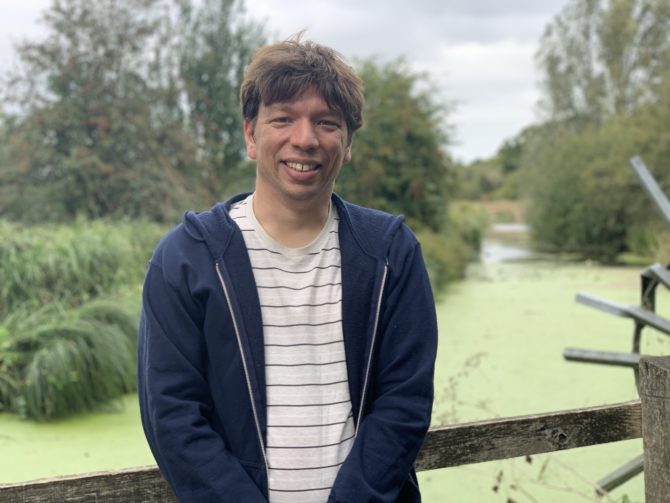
(602, 57)
(448, 253)
(606, 94)
(399, 163)
(216, 44)
(571, 185)
(496, 177)
(70, 264)
(68, 325)
(120, 113)
(68, 364)
(479, 179)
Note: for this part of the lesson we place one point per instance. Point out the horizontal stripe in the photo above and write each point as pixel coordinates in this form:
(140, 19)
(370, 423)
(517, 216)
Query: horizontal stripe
(304, 324)
(306, 404)
(309, 425)
(316, 268)
(310, 384)
(299, 344)
(265, 250)
(296, 289)
(307, 468)
(309, 446)
(302, 344)
(302, 364)
(299, 490)
(286, 306)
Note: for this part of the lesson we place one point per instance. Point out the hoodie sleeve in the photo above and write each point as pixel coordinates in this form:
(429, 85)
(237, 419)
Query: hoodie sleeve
(175, 402)
(400, 396)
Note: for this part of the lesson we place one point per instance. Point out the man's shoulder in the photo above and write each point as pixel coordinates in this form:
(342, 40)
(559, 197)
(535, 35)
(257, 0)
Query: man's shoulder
(375, 230)
(364, 217)
(200, 231)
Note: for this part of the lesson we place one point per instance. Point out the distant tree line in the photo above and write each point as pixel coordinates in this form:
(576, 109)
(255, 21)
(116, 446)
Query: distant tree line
(129, 108)
(125, 108)
(605, 98)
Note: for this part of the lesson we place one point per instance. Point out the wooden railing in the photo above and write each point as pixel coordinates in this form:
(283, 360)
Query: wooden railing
(447, 446)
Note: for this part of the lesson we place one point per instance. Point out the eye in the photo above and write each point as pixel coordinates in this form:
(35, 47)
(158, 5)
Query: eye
(329, 124)
(280, 120)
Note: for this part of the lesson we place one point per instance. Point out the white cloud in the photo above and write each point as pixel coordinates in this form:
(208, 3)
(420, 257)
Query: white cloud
(479, 53)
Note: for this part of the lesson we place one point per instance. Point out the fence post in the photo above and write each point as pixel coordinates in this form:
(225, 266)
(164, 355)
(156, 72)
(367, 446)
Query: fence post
(655, 397)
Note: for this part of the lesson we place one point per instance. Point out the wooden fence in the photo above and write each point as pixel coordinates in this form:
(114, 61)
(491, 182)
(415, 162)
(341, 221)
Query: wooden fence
(447, 446)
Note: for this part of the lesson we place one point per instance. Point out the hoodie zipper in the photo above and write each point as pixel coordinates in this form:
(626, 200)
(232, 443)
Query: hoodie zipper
(246, 371)
(372, 347)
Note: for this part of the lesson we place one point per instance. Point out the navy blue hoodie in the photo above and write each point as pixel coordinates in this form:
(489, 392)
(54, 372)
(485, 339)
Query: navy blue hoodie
(201, 374)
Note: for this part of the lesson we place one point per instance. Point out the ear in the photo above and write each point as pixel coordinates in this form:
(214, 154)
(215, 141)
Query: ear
(250, 139)
(347, 153)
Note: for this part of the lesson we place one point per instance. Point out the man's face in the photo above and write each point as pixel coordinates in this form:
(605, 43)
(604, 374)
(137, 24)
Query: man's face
(299, 147)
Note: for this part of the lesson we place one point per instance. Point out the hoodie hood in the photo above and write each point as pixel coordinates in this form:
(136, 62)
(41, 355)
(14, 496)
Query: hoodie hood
(215, 227)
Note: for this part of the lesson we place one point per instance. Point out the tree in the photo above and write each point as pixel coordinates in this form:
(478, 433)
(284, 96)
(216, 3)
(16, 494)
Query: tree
(606, 99)
(126, 108)
(216, 44)
(603, 57)
(399, 160)
(88, 139)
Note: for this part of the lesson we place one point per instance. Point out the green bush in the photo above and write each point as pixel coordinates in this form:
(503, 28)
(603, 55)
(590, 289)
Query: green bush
(62, 349)
(70, 264)
(448, 253)
(53, 365)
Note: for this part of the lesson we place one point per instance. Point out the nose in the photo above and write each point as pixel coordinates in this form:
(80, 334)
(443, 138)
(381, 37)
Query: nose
(303, 135)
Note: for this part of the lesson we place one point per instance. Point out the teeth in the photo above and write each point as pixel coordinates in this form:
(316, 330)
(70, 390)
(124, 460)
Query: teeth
(298, 166)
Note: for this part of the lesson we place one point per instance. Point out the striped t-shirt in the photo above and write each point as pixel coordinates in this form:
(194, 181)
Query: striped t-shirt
(310, 422)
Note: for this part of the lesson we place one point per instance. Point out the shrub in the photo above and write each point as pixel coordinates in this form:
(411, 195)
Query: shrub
(448, 253)
(70, 264)
(53, 365)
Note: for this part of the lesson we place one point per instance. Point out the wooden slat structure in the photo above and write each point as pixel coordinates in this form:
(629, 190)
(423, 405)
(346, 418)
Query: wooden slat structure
(447, 446)
(468, 443)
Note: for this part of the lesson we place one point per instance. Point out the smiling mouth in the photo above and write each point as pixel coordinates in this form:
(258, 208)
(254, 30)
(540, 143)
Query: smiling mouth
(302, 167)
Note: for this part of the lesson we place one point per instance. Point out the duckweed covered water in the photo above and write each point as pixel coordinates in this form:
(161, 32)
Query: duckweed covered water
(502, 333)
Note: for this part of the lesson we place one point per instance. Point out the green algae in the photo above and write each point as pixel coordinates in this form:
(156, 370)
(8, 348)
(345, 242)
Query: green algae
(502, 333)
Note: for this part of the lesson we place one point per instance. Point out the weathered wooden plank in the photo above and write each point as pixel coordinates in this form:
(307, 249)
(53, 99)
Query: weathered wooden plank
(637, 313)
(141, 485)
(462, 444)
(621, 475)
(447, 446)
(655, 396)
(602, 357)
(649, 183)
(660, 273)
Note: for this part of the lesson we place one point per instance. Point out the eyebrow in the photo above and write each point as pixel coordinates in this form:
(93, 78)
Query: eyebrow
(284, 106)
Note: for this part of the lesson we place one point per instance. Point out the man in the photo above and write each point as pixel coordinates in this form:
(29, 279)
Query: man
(288, 338)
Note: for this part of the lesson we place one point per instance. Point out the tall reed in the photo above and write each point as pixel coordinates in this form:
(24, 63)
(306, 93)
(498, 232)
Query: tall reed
(60, 364)
(70, 263)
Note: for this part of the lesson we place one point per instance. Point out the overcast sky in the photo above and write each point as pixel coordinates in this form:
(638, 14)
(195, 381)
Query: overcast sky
(479, 53)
